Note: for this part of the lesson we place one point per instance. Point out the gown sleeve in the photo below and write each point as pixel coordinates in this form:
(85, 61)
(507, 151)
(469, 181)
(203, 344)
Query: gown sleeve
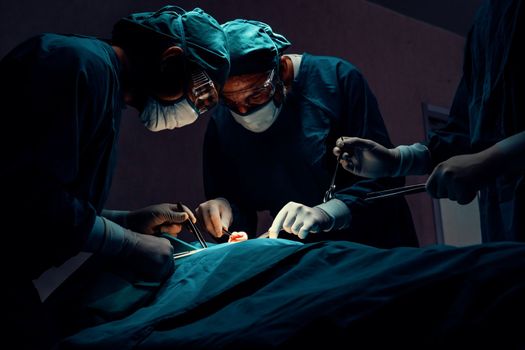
(361, 117)
(454, 138)
(56, 104)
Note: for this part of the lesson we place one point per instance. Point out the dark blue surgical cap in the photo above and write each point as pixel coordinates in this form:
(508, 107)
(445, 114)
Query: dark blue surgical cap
(254, 47)
(197, 33)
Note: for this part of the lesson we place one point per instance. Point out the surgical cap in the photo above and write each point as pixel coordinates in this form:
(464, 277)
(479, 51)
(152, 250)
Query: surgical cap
(254, 47)
(197, 33)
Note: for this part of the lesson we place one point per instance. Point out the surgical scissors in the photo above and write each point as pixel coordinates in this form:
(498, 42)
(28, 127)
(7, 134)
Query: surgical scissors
(393, 192)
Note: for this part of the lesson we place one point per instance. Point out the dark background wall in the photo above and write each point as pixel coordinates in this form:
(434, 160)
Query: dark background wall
(452, 15)
(405, 60)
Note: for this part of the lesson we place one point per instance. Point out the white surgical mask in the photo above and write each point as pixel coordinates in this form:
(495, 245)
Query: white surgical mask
(261, 119)
(156, 116)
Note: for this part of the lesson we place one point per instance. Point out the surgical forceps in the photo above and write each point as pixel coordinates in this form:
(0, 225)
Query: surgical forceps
(393, 192)
(190, 226)
(329, 194)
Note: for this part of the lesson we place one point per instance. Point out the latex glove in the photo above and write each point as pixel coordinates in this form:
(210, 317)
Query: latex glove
(366, 158)
(216, 215)
(158, 218)
(237, 237)
(460, 178)
(149, 256)
(299, 220)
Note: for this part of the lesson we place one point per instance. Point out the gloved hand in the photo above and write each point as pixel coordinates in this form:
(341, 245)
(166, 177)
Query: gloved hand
(300, 220)
(366, 158)
(459, 178)
(216, 215)
(149, 256)
(158, 218)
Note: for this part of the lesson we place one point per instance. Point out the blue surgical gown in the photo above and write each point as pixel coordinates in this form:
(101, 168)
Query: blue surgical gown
(293, 160)
(61, 106)
(489, 106)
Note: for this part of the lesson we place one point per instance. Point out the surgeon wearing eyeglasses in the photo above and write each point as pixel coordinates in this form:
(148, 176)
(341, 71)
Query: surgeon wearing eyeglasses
(268, 146)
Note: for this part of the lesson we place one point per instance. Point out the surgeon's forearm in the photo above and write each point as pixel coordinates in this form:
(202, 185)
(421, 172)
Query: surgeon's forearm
(338, 212)
(413, 160)
(106, 238)
(507, 155)
(117, 216)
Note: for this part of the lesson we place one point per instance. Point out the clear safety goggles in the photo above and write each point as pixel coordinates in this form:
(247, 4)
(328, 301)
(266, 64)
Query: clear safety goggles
(202, 91)
(253, 98)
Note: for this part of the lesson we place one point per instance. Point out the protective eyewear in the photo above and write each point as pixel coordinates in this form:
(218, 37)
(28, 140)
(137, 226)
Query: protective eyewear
(202, 91)
(255, 97)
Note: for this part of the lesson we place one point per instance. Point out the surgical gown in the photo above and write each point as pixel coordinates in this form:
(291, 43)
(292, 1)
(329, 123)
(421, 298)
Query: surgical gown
(61, 106)
(488, 107)
(293, 160)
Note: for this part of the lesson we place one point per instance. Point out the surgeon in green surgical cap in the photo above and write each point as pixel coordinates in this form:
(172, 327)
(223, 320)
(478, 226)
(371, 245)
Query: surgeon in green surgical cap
(269, 143)
(62, 97)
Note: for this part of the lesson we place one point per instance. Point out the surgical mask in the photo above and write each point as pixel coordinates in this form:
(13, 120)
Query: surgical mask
(157, 116)
(259, 120)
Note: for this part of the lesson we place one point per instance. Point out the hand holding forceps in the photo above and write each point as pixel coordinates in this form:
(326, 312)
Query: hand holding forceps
(393, 192)
(190, 226)
(182, 248)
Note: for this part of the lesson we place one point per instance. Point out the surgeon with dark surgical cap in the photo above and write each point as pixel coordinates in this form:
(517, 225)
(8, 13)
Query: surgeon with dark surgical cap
(62, 97)
(268, 146)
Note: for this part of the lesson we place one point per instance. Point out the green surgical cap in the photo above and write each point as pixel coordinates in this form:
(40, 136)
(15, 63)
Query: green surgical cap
(197, 33)
(254, 47)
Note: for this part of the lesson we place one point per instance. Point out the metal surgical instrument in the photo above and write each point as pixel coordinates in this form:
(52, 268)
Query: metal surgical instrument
(192, 228)
(330, 192)
(393, 192)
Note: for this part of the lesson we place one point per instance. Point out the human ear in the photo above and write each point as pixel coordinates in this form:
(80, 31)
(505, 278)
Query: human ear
(171, 53)
(286, 71)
